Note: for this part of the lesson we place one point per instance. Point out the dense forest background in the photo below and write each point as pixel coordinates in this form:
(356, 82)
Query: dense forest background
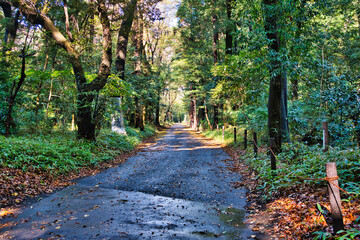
(226, 60)
(73, 71)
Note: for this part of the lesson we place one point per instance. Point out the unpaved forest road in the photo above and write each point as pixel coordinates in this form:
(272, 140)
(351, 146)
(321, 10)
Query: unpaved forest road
(179, 188)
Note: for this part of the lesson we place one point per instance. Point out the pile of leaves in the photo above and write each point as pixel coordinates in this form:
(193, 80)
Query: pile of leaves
(33, 165)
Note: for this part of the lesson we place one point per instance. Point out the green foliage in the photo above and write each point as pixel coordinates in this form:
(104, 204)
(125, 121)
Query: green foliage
(298, 159)
(4, 88)
(348, 234)
(49, 101)
(322, 235)
(61, 152)
(118, 87)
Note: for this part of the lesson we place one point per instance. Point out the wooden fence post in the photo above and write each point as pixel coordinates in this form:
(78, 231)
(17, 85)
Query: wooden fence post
(255, 143)
(245, 139)
(223, 132)
(235, 135)
(272, 155)
(334, 195)
(325, 136)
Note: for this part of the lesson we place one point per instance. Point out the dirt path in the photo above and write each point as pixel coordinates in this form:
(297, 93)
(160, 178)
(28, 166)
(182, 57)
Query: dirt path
(179, 188)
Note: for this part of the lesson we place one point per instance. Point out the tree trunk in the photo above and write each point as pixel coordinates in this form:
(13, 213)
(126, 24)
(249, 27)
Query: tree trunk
(139, 115)
(49, 99)
(358, 16)
(193, 113)
(201, 114)
(276, 74)
(123, 39)
(207, 116)
(284, 109)
(72, 122)
(157, 114)
(215, 58)
(295, 88)
(215, 36)
(13, 94)
(38, 96)
(216, 116)
(11, 27)
(137, 40)
(229, 29)
(86, 126)
(121, 51)
(299, 24)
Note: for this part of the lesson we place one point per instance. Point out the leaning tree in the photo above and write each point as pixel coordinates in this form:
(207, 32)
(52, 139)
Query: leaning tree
(88, 91)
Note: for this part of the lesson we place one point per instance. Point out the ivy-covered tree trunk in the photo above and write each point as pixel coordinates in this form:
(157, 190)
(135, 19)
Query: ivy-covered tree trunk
(86, 91)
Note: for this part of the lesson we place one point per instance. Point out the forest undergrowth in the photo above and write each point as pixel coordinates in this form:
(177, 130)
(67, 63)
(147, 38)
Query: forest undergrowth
(34, 164)
(281, 205)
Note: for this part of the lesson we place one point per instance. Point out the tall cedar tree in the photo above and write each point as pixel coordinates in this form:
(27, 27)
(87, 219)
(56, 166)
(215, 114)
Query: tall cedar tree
(275, 90)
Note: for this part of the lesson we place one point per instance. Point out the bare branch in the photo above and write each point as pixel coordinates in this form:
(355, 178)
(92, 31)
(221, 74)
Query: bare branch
(67, 22)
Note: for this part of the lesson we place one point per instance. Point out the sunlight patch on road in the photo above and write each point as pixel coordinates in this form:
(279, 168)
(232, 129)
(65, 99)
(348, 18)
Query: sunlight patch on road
(6, 212)
(195, 148)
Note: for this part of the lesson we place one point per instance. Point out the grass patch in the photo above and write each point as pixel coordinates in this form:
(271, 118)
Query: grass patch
(228, 135)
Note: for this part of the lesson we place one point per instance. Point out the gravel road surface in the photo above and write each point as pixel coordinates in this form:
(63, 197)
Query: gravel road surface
(179, 188)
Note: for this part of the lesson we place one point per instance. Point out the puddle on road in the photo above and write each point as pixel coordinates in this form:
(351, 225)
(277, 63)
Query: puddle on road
(233, 216)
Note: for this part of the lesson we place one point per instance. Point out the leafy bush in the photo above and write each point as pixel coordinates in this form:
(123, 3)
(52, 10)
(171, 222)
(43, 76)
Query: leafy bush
(298, 159)
(61, 152)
